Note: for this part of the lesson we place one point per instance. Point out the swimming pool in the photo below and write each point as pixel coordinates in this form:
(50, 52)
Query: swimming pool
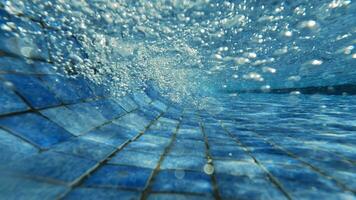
(177, 99)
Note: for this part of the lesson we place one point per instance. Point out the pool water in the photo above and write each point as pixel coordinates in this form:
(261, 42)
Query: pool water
(171, 99)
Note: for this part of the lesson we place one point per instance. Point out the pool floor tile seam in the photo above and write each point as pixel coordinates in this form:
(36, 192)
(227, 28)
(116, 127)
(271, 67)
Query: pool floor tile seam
(101, 163)
(32, 109)
(271, 178)
(37, 111)
(290, 137)
(74, 136)
(148, 187)
(294, 157)
(310, 166)
(21, 138)
(337, 154)
(213, 178)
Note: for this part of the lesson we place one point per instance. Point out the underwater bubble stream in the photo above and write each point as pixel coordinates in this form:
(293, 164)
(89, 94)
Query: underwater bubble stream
(192, 49)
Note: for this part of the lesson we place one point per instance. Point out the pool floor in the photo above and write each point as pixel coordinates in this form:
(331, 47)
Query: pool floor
(250, 146)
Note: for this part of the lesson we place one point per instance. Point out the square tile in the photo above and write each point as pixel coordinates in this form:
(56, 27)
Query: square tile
(84, 148)
(183, 162)
(134, 121)
(61, 87)
(171, 196)
(10, 102)
(134, 158)
(185, 147)
(127, 103)
(13, 64)
(89, 113)
(102, 193)
(21, 188)
(14, 148)
(108, 108)
(247, 188)
(120, 176)
(51, 165)
(36, 129)
(237, 168)
(182, 181)
(146, 147)
(68, 119)
(34, 91)
(110, 134)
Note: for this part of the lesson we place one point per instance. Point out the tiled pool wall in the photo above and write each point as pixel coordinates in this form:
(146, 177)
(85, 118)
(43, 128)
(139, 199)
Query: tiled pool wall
(67, 138)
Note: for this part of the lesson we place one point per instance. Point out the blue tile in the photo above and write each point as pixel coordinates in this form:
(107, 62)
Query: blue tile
(135, 158)
(108, 108)
(164, 124)
(10, 102)
(68, 119)
(84, 148)
(163, 196)
(184, 147)
(195, 134)
(15, 41)
(32, 90)
(146, 147)
(81, 85)
(160, 133)
(184, 162)
(141, 98)
(154, 140)
(127, 103)
(110, 134)
(172, 115)
(275, 159)
(345, 177)
(182, 181)
(297, 178)
(134, 121)
(169, 121)
(243, 187)
(149, 112)
(228, 152)
(89, 113)
(13, 148)
(35, 129)
(237, 168)
(98, 90)
(11, 64)
(120, 176)
(15, 188)
(51, 165)
(102, 193)
(44, 67)
(159, 105)
(218, 141)
(61, 87)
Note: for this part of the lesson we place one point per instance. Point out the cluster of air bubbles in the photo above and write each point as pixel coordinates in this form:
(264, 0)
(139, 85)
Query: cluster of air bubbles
(190, 48)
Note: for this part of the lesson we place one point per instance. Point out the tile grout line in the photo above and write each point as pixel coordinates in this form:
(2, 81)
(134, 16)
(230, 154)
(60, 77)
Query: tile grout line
(41, 150)
(312, 167)
(341, 157)
(214, 181)
(23, 139)
(80, 179)
(37, 111)
(273, 179)
(147, 190)
(73, 136)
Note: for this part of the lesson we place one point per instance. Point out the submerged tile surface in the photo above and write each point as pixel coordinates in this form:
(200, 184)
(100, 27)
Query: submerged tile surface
(110, 153)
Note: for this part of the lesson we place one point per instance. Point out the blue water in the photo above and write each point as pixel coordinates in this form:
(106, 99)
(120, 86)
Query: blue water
(169, 99)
